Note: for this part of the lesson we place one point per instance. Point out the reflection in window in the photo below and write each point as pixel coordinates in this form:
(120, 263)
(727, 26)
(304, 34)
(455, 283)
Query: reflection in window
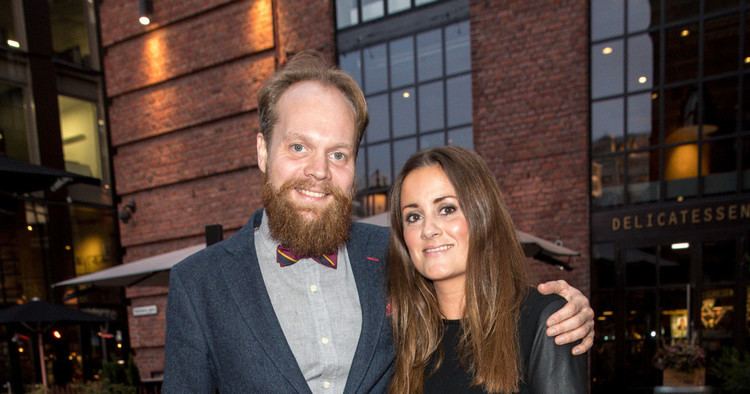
(8, 35)
(640, 267)
(346, 10)
(13, 134)
(607, 181)
(719, 261)
(346, 13)
(720, 49)
(643, 176)
(643, 127)
(607, 69)
(81, 145)
(674, 314)
(411, 111)
(607, 126)
(641, 336)
(372, 9)
(70, 32)
(717, 313)
(643, 14)
(93, 239)
(603, 265)
(642, 61)
(720, 174)
(607, 18)
(682, 53)
(674, 265)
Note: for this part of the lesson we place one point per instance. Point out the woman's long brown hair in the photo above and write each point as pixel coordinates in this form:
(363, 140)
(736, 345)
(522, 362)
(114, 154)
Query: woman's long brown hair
(495, 282)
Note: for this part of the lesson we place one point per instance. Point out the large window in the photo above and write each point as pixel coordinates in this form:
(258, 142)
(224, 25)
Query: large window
(13, 132)
(354, 12)
(418, 90)
(81, 145)
(669, 100)
(74, 32)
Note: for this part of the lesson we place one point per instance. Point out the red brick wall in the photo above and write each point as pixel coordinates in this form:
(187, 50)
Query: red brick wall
(530, 84)
(183, 120)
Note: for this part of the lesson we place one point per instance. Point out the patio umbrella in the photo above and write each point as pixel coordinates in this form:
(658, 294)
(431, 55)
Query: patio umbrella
(33, 315)
(20, 177)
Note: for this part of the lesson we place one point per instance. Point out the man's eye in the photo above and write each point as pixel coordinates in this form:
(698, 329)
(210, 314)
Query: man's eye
(297, 147)
(338, 156)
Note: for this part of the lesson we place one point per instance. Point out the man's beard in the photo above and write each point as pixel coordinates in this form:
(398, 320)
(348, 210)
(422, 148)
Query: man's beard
(306, 237)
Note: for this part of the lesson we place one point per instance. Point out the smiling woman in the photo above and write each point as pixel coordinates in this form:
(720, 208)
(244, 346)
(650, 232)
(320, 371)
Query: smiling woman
(464, 318)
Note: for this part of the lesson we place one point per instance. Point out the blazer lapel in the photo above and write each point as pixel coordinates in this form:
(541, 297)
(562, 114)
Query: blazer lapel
(370, 278)
(245, 281)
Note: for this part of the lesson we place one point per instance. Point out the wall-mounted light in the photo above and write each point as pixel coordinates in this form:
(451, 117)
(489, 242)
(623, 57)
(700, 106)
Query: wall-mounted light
(146, 8)
(13, 43)
(127, 211)
(680, 245)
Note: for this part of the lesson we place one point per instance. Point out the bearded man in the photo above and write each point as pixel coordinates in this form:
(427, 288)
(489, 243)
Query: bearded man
(295, 301)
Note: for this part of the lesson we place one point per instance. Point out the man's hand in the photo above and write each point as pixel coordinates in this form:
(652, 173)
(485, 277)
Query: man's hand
(572, 322)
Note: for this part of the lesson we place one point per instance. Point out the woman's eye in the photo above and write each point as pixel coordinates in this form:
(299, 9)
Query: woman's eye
(411, 218)
(447, 210)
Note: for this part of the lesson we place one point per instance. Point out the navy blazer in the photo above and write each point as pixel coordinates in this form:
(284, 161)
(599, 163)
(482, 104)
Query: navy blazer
(222, 332)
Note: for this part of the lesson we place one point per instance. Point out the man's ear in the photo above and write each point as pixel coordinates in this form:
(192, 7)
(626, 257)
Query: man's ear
(262, 151)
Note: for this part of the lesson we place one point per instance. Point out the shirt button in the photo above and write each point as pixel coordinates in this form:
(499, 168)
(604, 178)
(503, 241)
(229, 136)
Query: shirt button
(313, 289)
(326, 385)
(324, 340)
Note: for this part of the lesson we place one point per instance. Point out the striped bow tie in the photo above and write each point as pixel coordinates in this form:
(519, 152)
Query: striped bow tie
(286, 257)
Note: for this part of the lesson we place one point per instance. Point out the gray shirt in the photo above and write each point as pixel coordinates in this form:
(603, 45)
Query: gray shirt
(318, 309)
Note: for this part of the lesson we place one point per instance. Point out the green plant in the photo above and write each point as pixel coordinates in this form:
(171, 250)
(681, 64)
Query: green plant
(733, 368)
(683, 356)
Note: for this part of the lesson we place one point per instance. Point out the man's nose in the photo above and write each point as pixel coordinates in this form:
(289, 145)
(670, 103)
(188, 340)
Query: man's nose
(317, 167)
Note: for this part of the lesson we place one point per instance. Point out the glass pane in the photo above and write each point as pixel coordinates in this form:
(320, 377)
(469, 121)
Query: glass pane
(459, 100)
(719, 166)
(430, 55)
(681, 107)
(643, 52)
(402, 62)
(361, 174)
(81, 147)
(674, 264)
(720, 107)
(13, 137)
(682, 53)
(457, 49)
(603, 256)
(674, 314)
(607, 181)
(745, 115)
(607, 18)
(607, 69)
(402, 150)
(371, 9)
(603, 367)
(745, 157)
(643, 14)
(431, 116)
(717, 5)
(379, 165)
(643, 126)
(640, 267)
(93, 239)
(377, 129)
(719, 261)
(420, 2)
(346, 13)
(607, 126)
(351, 63)
(398, 5)
(431, 140)
(643, 176)
(681, 9)
(70, 33)
(404, 112)
(721, 45)
(463, 137)
(8, 35)
(681, 170)
(640, 344)
(376, 71)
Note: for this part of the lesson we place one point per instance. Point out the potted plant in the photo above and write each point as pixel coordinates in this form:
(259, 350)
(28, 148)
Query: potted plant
(683, 363)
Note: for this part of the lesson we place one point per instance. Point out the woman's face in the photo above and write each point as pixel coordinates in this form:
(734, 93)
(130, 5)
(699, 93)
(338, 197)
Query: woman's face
(435, 229)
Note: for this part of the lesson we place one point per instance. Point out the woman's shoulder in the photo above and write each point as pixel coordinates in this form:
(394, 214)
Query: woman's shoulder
(536, 305)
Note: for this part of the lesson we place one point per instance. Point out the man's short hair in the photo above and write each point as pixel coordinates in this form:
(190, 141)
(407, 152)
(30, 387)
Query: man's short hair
(309, 66)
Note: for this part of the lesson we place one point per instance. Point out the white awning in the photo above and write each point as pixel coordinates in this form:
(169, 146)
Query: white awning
(151, 271)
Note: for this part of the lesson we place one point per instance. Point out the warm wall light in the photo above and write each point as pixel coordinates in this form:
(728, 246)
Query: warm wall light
(685, 33)
(406, 94)
(642, 79)
(607, 50)
(29, 228)
(13, 43)
(747, 59)
(56, 334)
(146, 8)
